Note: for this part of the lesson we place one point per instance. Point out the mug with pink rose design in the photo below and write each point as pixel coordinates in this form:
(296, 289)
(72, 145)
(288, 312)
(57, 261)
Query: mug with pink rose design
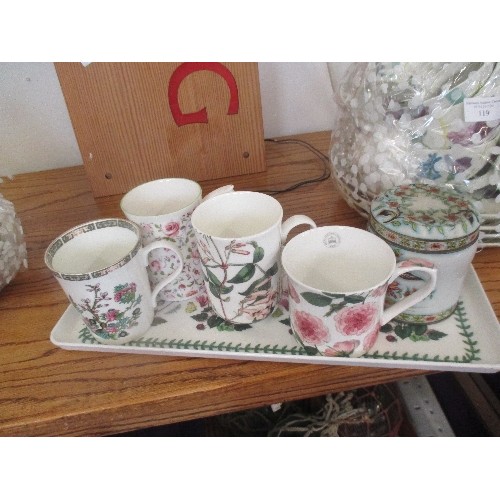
(163, 209)
(338, 277)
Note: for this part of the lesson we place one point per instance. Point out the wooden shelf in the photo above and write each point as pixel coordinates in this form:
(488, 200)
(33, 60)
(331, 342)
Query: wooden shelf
(45, 390)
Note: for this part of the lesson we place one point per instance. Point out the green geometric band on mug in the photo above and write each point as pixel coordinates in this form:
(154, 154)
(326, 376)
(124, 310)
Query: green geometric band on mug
(85, 228)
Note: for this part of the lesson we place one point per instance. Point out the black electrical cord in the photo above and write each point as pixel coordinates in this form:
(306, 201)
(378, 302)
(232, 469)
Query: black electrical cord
(324, 175)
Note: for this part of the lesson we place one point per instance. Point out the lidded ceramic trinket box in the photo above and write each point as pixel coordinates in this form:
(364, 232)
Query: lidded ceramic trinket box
(432, 226)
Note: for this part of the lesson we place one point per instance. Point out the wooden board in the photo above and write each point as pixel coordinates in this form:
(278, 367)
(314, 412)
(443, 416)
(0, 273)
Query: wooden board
(136, 122)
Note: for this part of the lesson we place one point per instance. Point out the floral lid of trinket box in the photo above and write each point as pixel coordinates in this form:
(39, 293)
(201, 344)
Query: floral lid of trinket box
(425, 218)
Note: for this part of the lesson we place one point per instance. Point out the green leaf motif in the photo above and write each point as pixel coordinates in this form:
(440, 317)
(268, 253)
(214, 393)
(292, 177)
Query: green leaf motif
(226, 289)
(214, 321)
(225, 327)
(419, 338)
(435, 334)
(260, 284)
(217, 288)
(354, 299)
(277, 313)
(200, 317)
(127, 298)
(158, 321)
(214, 289)
(273, 270)
(335, 308)
(317, 299)
(241, 327)
(404, 331)
(311, 351)
(244, 274)
(212, 278)
(258, 254)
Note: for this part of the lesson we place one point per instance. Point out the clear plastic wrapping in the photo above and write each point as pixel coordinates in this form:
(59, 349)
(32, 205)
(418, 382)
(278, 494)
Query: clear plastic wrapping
(404, 122)
(12, 244)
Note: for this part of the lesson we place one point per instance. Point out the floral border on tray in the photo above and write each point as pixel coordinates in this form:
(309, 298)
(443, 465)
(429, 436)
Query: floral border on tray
(394, 332)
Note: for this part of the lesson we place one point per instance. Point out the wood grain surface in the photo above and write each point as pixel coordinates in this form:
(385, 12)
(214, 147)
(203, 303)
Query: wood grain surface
(127, 133)
(45, 390)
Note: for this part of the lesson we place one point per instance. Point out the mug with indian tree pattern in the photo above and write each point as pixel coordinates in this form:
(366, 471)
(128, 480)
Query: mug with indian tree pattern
(101, 266)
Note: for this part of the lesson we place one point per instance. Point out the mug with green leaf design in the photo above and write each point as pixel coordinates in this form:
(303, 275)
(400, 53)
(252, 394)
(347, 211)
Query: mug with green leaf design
(338, 279)
(101, 266)
(239, 237)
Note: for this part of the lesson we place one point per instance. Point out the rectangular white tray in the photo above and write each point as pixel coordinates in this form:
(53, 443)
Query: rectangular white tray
(468, 341)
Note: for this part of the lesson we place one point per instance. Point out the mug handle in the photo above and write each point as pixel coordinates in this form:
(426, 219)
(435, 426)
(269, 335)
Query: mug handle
(164, 282)
(286, 227)
(216, 192)
(293, 221)
(409, 301)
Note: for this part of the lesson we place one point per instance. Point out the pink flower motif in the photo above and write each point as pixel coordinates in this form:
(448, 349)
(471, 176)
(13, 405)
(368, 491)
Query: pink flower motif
(310, 328)
(371, 338)
(241, 252)
(293, 293)
(238, 248)
(394, 290)
(284, 302)
(202, 300)
(259, 304)
(354, 320)
(155, 266)
(436, 245)
(416, 262)
(171, 229)
(342, 348)
(111, 315)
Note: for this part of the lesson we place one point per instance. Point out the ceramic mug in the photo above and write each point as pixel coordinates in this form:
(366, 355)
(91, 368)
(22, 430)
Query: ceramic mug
(163, 209)
(338, 277)
(239, 238)
(101, 266)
